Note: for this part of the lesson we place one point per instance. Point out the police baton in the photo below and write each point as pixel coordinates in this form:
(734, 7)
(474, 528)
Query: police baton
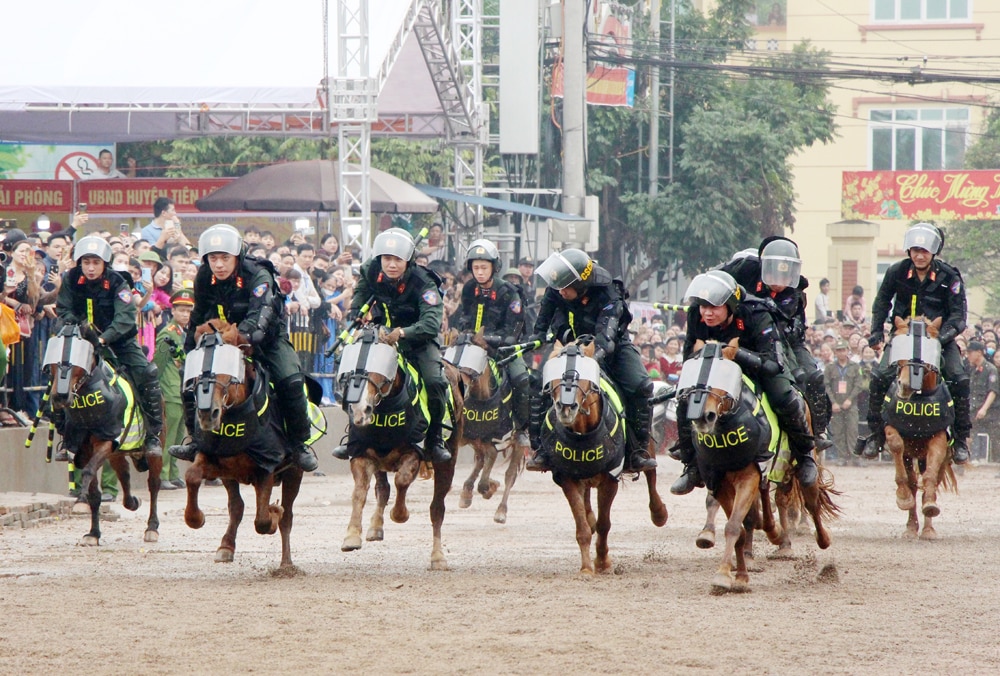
(671, 307)
(669, 393)
(517, 350)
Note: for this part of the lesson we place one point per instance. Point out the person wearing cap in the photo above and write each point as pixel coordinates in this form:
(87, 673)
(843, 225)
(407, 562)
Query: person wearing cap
(984, 389)
(408, 304)
(93, 293)
(844, 382)
(774, 273)
(238, 289)
(721, 310)
(169, 360)
(920, 285)
(496, 308)
(582, 298)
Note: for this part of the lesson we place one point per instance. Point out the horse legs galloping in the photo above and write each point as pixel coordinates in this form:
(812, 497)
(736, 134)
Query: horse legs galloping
(908, 482)
(291, 480)
(90, 488)
(480, 460)
(575, 496)
(376, 529)
(578, 496)
(657, 510)
(406, 474)
(227, 548)
(706, 538)
(488, 487)
(510, 476)
(444, 473)
(119, 463)
(737, 494)
(362, 470)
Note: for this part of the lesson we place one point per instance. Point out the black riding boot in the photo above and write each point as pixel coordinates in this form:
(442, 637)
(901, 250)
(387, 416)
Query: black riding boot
(690, 478)
(291, 399)
(637, 458)
(538, 462)
(189, 450)
(151, 402)
(793, 420)
(963, 427)
(871, 445)
(433, 449)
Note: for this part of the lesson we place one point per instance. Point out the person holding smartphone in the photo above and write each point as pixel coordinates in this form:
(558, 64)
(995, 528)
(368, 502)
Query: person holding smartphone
(164, 231)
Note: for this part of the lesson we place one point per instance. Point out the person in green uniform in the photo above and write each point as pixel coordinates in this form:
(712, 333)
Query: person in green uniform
(169, 360)
(240, 289)
(93, 293)
(408, 303)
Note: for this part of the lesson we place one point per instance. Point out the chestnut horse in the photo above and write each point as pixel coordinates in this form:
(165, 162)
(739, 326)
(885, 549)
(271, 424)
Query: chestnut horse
(240, 438)
(584, 437)
(383, 402)
(103, 422)
(733, 440)
(488, 426)
(917, 418)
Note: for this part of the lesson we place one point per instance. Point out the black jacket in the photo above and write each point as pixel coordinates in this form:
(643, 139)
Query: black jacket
(751, 324)
(941, 294)
(601, 311)
(412, 303)
(498, 310)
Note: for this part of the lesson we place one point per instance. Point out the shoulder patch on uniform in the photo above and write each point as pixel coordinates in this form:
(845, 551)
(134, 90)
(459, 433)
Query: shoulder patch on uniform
(767, 331)
(431, 297)
(125, 295)
(515, 306)
(609, 306)
(956, 288)
(260, 290)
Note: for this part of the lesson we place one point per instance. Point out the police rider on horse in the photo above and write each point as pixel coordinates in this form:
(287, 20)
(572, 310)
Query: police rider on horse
(583, 299)
(720, 310)
(240, 289)
(496, 307)
(408, 303)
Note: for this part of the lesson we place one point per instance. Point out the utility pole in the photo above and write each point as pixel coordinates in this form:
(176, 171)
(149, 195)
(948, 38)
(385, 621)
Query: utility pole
(574, 106)
(654, 104)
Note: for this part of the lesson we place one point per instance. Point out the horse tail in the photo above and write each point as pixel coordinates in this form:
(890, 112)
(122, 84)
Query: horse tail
(948, 481)
(825, 493)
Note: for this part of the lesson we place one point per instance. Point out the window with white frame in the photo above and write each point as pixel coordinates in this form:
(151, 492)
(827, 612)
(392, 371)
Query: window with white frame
(921, 10)
(926, 139)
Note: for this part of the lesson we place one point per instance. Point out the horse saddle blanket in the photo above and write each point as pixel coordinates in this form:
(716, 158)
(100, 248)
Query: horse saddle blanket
(105, 407)
(489, 419)
(582, 456)
(921, 415)
(397, 420)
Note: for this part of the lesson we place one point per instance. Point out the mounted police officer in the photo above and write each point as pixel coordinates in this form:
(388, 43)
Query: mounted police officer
(240, 289)
(93, 293)
(920, 285)
(496, 307)
(408, 303)
(720, 310)
(773, 272)
(583, 299)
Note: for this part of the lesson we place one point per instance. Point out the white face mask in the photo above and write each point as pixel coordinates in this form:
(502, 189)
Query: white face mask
(120, 267)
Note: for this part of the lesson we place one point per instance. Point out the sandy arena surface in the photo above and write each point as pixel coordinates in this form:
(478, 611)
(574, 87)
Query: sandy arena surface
(512, 601)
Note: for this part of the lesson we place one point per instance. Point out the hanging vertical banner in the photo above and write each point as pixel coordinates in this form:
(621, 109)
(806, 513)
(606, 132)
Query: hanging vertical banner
(609, 31)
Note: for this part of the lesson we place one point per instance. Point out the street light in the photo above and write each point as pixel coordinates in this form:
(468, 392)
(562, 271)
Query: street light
(42, 223)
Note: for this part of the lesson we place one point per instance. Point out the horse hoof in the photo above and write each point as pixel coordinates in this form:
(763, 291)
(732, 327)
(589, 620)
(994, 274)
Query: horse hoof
(90, 541)
(783, 554)
(399, 515)
(439, 564)
(194, 520)
(375, 535)
(223, 555)
(721, 585)
(928, 534)
(658, 517)
(81, 507)
(351, 543)
(705, 540)
(151, 536)
(740, 586)
(465, 500)
(500, 516)
(489, 491)
(931, 510)
(910, 533)
(823, 539)
(906, 505)
(132, 503)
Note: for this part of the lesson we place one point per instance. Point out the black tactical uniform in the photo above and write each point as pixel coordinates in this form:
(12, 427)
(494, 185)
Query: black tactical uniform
(413, 305)
(106, 302)
(789, 314)
(250, 299)
(600, 310)
(941, 293)
(751, 323)
(497, 310)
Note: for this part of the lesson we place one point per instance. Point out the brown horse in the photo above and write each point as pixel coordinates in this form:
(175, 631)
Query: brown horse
(488, 427)
(584, 435)
(240, 438)
(103, 423)
(918, 415)
(731, 437)
(382, 403)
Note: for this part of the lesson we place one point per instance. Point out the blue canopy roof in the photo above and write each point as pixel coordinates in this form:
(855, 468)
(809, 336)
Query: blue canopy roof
(493, 204)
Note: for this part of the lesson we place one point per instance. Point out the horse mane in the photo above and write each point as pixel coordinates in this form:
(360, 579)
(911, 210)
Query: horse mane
(230, 334)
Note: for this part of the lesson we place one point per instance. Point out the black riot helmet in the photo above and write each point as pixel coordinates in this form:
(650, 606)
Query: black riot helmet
(715, 288)
(571, 267)
(924, 236)
(780, 264)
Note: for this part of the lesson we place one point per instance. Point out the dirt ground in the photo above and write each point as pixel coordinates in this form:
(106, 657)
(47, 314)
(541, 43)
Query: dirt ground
(512, 601)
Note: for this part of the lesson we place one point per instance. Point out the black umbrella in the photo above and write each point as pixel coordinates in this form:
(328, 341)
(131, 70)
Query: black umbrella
(312, 185)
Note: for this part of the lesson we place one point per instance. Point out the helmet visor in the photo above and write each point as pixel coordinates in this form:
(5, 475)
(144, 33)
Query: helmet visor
(708, 290)
(557, 272)
(780, 271)
(219, 240)
(389, 243)
(922, 237)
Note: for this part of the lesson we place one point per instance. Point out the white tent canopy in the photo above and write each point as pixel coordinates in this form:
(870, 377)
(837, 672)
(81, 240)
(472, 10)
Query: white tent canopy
(121, 70)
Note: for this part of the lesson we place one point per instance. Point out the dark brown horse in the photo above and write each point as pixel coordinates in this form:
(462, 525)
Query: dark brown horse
(103, 422)
(240, 438)
(488, 427)
(918, 414)
(731, 435)
(374, 381)
(583, 434)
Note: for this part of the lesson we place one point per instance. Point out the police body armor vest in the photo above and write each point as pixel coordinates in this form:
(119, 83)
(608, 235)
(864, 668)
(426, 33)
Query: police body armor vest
(582, 456)
(400, 419)
(490, 419)
(920, 416)
(105, 407)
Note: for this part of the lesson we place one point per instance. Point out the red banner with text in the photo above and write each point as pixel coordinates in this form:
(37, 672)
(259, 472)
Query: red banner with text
(36, 196)
(136, 195)
(916, 195)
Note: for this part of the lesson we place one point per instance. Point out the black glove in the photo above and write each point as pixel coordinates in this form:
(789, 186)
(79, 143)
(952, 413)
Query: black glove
(539, 337)
(947, 334)
(876, 338)
(494, 341)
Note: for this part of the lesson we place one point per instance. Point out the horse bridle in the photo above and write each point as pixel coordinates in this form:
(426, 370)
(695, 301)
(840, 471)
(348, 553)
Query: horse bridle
(700, 390)
(570, 381)
(205, 383)
(357, 378)
(64, 368)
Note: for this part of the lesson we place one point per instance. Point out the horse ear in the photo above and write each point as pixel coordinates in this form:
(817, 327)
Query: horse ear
(589, 349)
(900, 323)
(735, 342)
(937, 322)
(698, 345)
